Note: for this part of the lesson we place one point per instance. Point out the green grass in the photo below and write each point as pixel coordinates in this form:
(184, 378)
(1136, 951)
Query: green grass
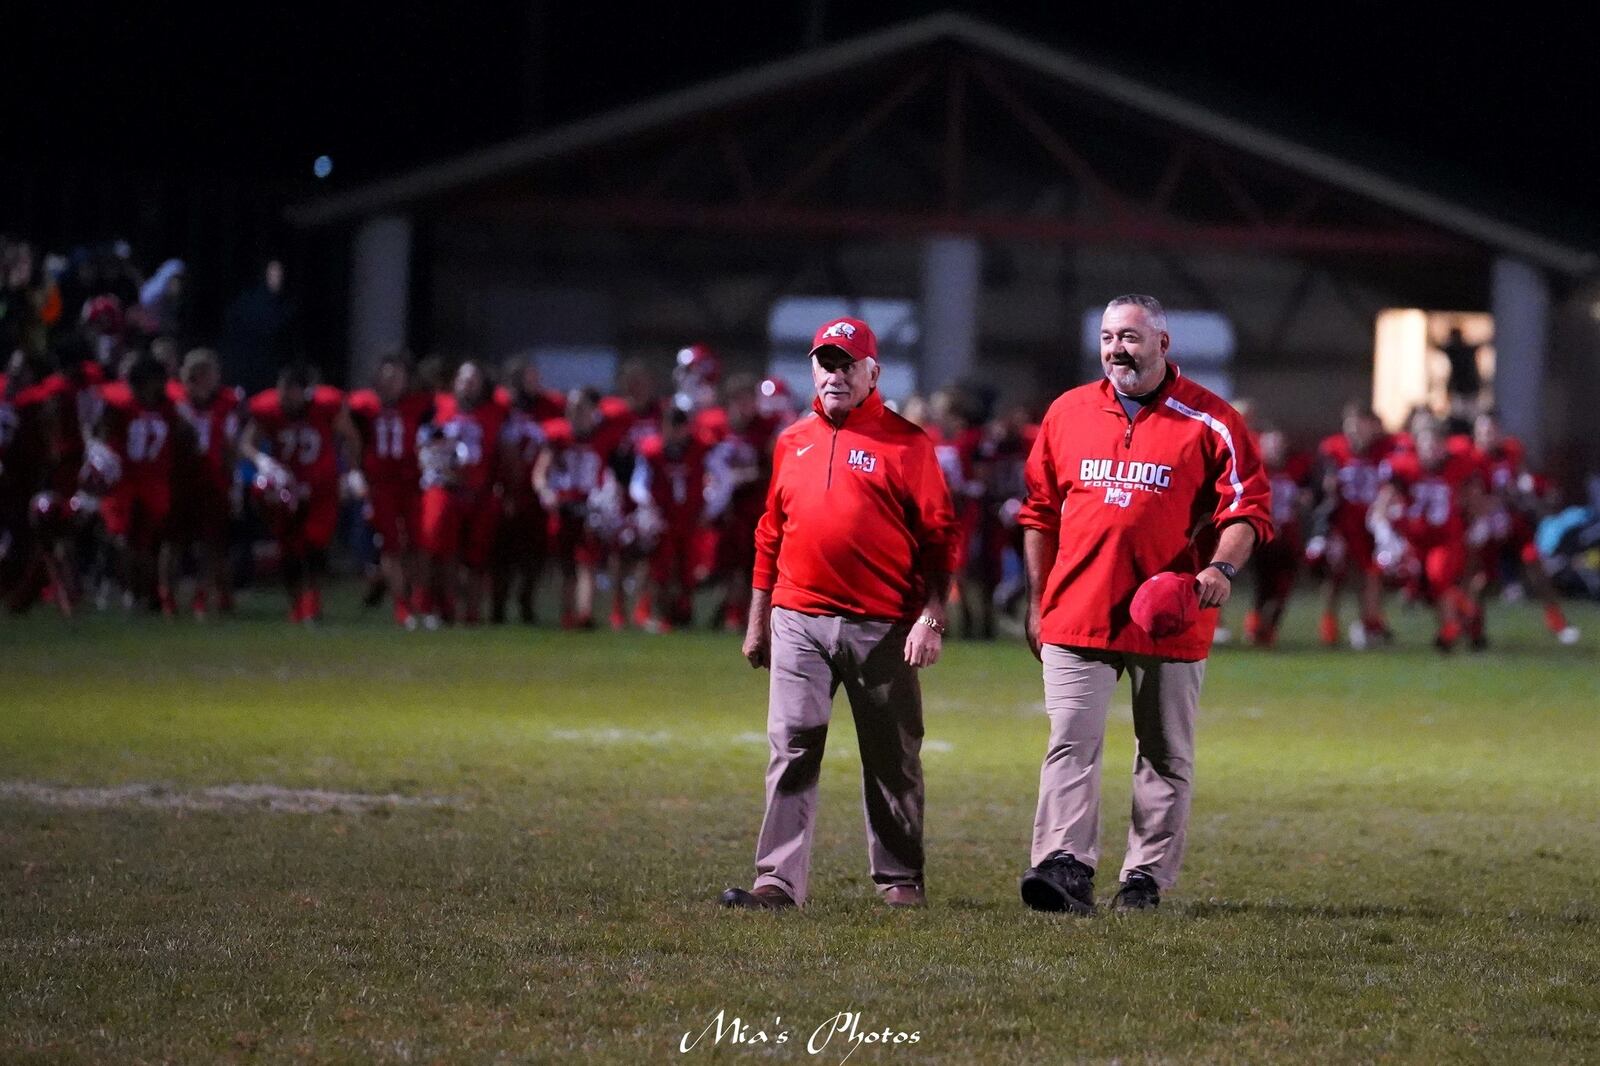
(1392, 857)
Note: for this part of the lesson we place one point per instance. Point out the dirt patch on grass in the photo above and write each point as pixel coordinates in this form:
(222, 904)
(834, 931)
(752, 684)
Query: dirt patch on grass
(236, 797)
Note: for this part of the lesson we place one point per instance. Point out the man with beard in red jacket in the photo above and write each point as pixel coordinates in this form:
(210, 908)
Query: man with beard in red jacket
(1141, 473)
(851, 575)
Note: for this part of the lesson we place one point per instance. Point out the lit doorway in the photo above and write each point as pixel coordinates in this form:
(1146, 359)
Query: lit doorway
(1412, 363)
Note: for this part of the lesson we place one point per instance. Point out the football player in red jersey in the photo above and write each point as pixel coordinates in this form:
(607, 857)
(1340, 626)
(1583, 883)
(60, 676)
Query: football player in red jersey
(669, 485)
(461, 485)
(695, 377)
(388, 417)
(998, 462)
(297, 436)
(631, 414)
(581, 492)
(956, 434)
(626, 421)
(1429, 498)
(1277, 562)
(203, 487)
(141, 427)
(737, 470)
(1517, 499)
(776, 404)
(74, 405)
(524, 535)
(25, 423)
(524, 389)
(1342, 543)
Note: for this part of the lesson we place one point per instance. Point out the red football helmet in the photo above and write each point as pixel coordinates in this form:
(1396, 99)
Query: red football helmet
(104, 314)
(774, 398)
(699, 362)
(696, 377)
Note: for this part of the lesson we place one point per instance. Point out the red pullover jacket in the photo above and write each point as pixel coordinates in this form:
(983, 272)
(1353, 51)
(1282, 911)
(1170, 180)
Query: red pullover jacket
(857, 518)
(1130, 499)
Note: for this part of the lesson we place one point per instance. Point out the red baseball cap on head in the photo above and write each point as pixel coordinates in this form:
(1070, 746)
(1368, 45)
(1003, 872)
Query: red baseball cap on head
(1165, 604)
(849, 335)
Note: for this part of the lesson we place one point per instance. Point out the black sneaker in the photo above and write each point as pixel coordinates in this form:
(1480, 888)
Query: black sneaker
(1060, 883)
(1138, 893)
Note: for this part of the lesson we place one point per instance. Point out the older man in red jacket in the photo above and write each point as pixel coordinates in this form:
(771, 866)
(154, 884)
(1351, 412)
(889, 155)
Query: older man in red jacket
(1140, 473)
(851, 573)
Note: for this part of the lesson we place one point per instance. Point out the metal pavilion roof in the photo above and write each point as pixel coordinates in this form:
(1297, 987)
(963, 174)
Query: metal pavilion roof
(983, 40)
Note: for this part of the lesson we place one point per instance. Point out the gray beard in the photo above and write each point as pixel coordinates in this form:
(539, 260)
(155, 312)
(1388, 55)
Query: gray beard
(1126, 381)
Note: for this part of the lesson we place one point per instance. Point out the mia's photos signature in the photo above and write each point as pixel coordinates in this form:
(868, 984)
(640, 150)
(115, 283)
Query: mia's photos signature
(847, 1030)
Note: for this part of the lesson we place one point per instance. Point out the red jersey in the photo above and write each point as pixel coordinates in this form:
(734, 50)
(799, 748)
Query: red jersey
(545, 404)
(1288, 482)
(475, 433)
(577, 467)
(673, 478)
(74, 396)
(389, 435)
(1435, 500)
(216, 430)
(1357, 475)
(80, 387)
(143, 436)
(522, 438)
(958, 459)
(710, 424)
(1128, 499)
(305, 444)
(1504, 468)
(620, 428)
(736, 472)
(858, 517)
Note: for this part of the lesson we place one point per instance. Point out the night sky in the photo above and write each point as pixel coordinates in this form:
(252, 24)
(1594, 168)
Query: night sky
(1501, 103)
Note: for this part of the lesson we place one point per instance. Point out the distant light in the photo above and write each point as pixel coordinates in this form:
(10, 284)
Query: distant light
(322, 166)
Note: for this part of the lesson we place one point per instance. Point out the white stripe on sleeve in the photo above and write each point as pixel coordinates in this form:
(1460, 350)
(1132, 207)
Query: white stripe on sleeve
(1227, 439)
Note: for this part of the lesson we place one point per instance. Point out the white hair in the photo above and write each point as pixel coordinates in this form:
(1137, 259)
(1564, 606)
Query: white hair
(871, 361)
(1148, 304)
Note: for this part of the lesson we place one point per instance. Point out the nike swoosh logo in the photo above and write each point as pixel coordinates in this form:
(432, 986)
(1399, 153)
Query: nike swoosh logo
(801, 451)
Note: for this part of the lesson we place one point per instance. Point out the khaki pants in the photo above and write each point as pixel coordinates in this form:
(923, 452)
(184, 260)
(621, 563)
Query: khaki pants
(1078, 683)
(811, 657)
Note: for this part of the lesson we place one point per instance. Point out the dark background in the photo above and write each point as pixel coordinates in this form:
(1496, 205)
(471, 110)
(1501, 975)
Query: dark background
(187, 128)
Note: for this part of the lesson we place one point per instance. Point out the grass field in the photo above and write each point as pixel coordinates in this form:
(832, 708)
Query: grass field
(1393, 857)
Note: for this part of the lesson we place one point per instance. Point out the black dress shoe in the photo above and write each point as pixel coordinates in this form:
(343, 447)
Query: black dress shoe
(764, 898)
(1060, 883)
(1138, 893)
(905, 896)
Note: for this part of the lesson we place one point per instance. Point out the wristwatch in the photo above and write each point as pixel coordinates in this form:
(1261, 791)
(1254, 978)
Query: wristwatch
(1228, 570)
(932, 623)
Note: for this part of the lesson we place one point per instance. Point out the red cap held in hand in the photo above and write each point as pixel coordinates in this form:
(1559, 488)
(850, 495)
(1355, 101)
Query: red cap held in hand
(1166, 605)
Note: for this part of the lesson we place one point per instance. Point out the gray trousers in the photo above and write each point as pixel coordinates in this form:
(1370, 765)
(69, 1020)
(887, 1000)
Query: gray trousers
(811, 657)
(1078, 684)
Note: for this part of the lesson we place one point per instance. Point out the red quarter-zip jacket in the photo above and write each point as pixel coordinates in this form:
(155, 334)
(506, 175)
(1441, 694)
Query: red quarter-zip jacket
(858, 516)
(1128, 499)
